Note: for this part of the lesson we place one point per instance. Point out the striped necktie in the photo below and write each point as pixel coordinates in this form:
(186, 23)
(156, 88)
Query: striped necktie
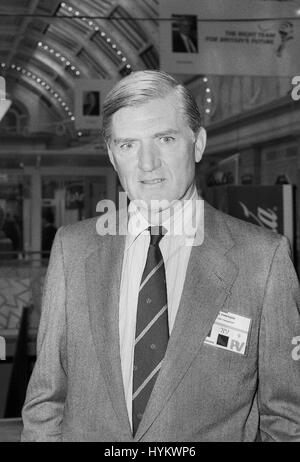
(152, 330)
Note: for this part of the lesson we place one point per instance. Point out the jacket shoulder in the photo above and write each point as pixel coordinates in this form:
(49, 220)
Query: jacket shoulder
(81, 230)
(245, 233)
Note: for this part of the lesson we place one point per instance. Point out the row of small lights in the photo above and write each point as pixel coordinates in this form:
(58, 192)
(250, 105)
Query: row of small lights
(44, 84)
(59, 55)
(208, 96)
(96, 28)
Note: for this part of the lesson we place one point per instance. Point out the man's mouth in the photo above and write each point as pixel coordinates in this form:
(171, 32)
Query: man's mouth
(154, 181)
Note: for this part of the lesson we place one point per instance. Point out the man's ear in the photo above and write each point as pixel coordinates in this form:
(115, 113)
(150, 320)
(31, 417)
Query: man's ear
(111, 156)
(200, 144)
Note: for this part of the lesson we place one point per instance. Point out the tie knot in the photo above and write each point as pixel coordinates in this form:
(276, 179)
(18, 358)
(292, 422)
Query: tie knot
(156, 234)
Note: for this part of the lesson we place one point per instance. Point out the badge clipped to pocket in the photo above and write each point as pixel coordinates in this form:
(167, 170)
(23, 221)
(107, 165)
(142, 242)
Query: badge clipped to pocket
(230, 332)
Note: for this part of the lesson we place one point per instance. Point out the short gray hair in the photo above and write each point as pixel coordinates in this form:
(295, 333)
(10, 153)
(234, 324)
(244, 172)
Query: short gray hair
(141, 87)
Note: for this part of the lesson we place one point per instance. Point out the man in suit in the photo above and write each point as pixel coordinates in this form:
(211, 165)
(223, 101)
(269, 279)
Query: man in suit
(185, 327)
(183, 38)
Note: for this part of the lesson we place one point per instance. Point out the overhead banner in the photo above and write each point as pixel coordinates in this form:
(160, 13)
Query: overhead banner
(230, 37)
(89, 96)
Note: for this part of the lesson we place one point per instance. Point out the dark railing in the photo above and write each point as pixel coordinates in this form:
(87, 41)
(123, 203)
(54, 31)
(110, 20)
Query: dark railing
(21, 284)
(20, 372)
(24, 258)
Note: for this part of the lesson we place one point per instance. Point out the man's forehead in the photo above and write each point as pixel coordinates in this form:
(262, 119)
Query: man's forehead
(149, 119)
(169, 105)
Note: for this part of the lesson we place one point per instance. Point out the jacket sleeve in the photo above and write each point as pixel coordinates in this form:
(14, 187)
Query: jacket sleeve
(44, 405)
(279, 352)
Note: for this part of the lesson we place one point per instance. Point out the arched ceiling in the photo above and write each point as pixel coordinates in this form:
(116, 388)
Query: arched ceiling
(46, 45)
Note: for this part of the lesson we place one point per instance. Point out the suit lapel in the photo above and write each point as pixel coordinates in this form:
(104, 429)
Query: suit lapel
(103, 277)
(209, 277)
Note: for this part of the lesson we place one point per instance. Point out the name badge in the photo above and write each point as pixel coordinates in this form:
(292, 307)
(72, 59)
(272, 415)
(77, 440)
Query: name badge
(230, 332)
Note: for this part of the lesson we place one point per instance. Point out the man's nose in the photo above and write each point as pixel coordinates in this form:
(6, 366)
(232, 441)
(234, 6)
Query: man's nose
(149, 159)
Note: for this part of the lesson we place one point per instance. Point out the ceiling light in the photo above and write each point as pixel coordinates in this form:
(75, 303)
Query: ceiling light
(4, 106)
(4, 103)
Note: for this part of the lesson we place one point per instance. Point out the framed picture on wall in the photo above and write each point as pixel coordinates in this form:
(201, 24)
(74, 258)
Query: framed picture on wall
(89, 96)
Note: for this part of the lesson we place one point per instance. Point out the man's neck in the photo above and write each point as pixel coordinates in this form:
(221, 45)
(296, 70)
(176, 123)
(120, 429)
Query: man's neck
(158, 217)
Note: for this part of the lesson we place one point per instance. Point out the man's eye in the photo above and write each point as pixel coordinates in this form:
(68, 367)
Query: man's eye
(126, 146)
(167, 139)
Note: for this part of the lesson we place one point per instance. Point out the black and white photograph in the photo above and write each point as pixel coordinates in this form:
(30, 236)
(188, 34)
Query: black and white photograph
(89, 94)
(149, 225)
(184, 34)
(91, 103)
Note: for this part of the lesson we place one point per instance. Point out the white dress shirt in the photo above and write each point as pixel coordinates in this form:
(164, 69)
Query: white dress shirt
(175, 247)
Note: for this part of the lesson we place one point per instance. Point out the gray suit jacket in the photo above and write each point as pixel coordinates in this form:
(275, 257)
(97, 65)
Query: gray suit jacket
(203, 393)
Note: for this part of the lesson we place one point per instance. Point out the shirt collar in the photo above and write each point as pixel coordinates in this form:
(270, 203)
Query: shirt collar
(137, 224)
(179, 224)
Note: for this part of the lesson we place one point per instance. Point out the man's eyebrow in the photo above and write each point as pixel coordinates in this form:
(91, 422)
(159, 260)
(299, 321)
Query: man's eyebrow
(168, 131)
(123, 140)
